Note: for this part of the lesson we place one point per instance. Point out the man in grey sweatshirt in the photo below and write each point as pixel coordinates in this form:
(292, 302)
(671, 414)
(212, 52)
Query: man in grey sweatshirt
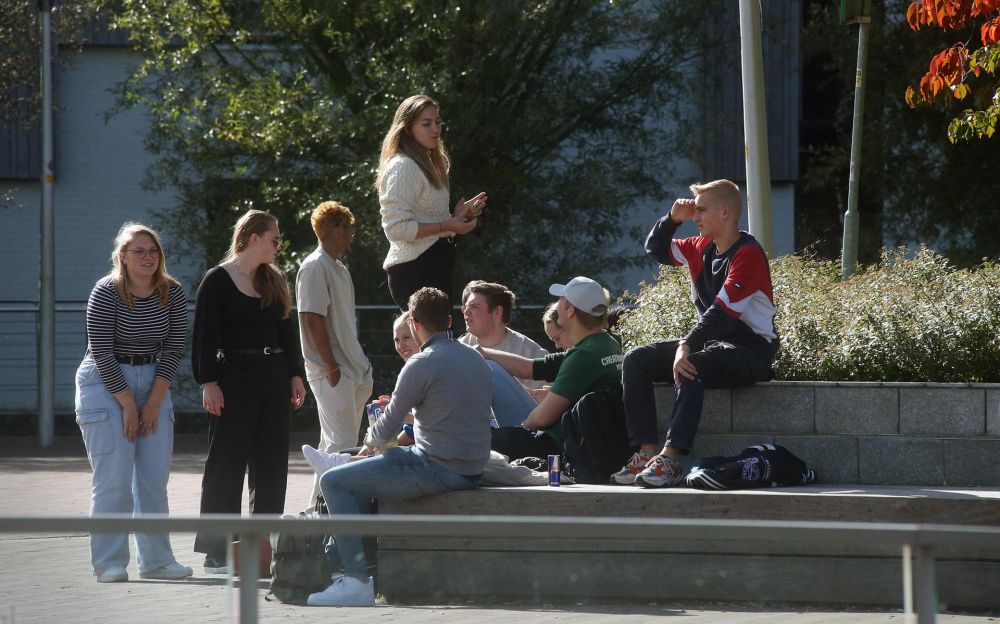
(449, 387)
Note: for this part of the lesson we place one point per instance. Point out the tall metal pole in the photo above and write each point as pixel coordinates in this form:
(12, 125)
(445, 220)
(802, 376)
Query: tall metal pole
(755, 125)
(852, 220)
(926, 585)
(47, 288)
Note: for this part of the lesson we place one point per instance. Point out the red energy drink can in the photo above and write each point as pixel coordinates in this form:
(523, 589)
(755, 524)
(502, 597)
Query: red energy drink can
(554, 470)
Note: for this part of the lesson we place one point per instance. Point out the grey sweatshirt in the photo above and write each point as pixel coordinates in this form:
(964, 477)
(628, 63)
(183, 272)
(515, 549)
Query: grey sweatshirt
(450, 388)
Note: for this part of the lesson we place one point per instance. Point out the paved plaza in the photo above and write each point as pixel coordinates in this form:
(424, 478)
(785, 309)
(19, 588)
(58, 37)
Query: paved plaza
(47, 578)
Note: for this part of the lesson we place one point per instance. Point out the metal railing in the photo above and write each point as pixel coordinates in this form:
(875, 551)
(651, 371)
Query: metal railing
(374, 325)
(917, 542)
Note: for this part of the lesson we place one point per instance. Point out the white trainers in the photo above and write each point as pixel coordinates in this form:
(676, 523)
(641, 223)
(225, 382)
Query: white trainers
(321, 461)
(113, 574)
(346, 591)
(169, 572)
(661, 471)
(635, 465)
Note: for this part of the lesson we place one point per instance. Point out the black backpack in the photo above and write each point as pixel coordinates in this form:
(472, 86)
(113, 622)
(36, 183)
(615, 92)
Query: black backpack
(595, 441)
(758, 466)
(298, 565)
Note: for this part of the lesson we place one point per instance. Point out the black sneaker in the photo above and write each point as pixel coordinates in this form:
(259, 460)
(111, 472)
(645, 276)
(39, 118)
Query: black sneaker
(215, 566)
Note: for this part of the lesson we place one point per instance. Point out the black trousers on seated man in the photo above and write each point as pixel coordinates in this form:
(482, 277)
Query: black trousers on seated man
(595, 442)
(518, 442)
(720, 365)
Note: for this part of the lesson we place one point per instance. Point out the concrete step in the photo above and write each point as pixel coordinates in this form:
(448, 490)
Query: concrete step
(425, 570)
(867, 433)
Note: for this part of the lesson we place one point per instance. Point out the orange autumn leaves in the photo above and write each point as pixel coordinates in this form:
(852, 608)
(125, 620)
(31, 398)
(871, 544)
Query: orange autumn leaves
(950, 67)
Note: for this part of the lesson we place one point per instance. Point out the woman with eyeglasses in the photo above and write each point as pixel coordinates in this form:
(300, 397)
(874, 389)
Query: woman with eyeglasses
(136, 325)
(245, 354)
(413, 193)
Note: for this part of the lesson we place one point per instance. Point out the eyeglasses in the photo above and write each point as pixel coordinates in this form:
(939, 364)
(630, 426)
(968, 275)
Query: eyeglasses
(152, 252)
(276, 241)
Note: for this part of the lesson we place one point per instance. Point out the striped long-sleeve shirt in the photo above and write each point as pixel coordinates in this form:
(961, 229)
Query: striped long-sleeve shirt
(146, 329)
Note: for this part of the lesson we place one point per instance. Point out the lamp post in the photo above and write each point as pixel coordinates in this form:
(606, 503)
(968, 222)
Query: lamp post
(758, 167)
(46, 277)
(859, 12)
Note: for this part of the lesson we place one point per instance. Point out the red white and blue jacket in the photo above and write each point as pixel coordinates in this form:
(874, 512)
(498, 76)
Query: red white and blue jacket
(731, 291)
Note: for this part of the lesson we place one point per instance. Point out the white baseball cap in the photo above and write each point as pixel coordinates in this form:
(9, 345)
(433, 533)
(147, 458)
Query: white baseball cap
(584, 293)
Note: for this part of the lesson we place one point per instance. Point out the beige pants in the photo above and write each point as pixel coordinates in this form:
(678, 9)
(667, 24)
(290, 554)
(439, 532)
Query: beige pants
(340, 412)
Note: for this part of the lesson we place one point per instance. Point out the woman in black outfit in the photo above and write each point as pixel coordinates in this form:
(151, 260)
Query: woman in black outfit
(245, 353)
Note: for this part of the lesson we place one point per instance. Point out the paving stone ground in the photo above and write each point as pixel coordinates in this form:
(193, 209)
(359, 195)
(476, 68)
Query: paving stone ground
(47, 578)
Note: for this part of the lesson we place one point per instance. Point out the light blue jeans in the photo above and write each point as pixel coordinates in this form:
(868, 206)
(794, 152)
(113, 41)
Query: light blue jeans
(511, 402)
(400, 473)
(129, 477)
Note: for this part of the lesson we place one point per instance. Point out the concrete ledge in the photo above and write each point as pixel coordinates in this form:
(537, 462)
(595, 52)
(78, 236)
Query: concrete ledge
(858, 432)
(850, 503)
(428, 570)
(541, 576)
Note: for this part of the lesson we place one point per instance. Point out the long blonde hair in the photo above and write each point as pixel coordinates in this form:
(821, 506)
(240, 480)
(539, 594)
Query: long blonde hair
(162, 281)
(267, 280)
(399, 140)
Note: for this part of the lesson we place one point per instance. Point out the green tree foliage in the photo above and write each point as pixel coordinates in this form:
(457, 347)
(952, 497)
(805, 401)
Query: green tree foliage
(20, 45)
(914, 184)
(902, 319)
(565, 111)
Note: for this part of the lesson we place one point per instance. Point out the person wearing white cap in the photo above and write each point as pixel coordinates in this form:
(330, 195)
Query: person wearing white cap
(594, 363)
(733, 343)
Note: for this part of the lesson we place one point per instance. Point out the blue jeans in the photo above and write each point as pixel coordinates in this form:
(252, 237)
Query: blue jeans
(400, 473)
(511, 402)
(129, 477)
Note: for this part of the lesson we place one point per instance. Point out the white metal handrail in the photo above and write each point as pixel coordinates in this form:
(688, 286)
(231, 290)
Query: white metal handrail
(917, 542)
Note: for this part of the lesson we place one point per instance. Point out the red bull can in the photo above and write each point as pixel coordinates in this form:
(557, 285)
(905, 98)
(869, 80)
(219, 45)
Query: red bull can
(376, 409)
(553, 470)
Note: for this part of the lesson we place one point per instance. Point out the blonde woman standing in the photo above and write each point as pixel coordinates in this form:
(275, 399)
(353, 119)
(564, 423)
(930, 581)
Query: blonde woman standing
(413, 190)
(245, 353)
(136, 325)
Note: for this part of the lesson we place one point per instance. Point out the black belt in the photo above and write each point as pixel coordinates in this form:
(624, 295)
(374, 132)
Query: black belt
(137, 360)
(257, 351)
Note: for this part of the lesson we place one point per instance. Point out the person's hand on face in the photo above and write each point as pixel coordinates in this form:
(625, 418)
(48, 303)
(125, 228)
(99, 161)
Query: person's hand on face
(683, 210)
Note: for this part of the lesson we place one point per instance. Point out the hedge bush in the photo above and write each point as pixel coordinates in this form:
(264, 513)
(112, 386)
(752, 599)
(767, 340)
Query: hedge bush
(904, 319)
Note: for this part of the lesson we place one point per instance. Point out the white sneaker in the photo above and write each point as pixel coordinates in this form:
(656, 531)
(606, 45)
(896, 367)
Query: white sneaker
(661, 471)
(321, 461)
(169, 572)
(346, 591)
(635, 465)
(113, 574)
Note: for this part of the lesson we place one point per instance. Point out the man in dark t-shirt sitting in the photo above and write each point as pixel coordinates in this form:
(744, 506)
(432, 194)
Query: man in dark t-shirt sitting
(594, 363)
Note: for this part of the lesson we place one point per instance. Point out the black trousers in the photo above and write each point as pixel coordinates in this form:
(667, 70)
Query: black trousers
(720, 365)
(435, 267)
(249, 439)
(518, 442)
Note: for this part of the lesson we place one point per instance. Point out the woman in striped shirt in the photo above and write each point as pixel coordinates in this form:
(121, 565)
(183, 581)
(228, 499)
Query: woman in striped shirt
(136, 324)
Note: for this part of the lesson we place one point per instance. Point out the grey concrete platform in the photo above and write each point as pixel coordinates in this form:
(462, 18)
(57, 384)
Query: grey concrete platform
(47, 578)
(870, 433)
(619, 567)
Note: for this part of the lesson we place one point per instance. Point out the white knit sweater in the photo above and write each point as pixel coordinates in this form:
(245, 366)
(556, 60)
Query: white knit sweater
(407, 198)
